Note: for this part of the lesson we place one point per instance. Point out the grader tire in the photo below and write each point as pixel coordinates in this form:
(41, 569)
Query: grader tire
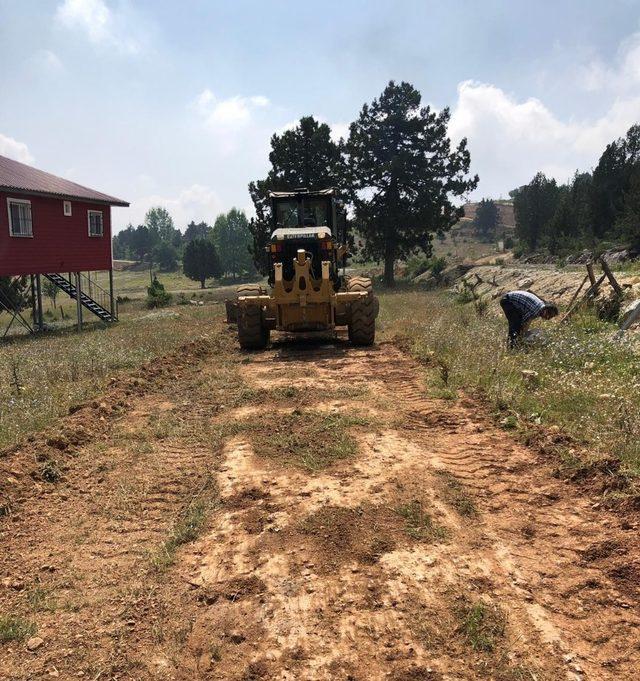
(252, 334)
(242, 290)
(362, 325)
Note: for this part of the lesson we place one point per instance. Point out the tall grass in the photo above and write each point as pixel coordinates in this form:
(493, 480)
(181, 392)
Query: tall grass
(587, 383)
(42, 376)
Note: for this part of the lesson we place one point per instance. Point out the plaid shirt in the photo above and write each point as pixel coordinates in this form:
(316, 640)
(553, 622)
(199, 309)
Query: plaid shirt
(527, 303)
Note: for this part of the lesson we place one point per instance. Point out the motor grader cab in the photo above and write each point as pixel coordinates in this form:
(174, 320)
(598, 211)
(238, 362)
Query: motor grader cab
(307, 293)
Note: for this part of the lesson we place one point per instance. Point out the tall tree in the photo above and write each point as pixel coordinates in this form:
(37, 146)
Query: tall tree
(232, 238)
(612, 180)
(200, 261)
(629, 222)
(305, 156)
(165, 256)
(159, 222)
(534, 205)
(486, 219)
(404, 174)
(143, 241)
(199, 230)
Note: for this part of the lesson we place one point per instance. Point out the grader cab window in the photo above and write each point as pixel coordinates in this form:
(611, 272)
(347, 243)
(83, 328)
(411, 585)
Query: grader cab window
(316, 212)
(303, 212)
(287, 214)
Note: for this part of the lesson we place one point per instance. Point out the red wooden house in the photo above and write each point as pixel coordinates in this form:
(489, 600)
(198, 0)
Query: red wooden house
(51, 227)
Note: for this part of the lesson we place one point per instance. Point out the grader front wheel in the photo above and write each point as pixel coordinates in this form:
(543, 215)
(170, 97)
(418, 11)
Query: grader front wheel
(362, 323)
(242, 290)
(252, 333)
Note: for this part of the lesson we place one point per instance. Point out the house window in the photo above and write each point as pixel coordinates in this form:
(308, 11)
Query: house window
(67, 208)
(20, 223)
(95, 223)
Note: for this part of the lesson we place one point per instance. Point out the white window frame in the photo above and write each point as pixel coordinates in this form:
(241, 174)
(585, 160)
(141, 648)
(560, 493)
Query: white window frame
(27, 202)
(66, 209)
(96, 212)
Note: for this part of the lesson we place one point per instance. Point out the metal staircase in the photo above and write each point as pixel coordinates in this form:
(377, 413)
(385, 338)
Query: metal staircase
(100, 305)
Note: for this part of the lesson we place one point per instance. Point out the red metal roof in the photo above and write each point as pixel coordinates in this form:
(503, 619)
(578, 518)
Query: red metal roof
(19, 177)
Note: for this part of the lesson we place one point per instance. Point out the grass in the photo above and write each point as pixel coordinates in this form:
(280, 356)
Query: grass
(456, 495)
(303, 437)
(15, 628)
(187, 529)
(41, 377)
(482, 625)
(418, 523)
(588, 381)
(41, 599)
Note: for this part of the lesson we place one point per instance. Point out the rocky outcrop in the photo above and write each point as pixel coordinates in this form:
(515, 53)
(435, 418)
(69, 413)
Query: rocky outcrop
(491, 282)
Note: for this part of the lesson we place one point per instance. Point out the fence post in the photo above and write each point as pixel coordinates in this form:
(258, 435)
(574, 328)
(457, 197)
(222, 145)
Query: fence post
(39, 296)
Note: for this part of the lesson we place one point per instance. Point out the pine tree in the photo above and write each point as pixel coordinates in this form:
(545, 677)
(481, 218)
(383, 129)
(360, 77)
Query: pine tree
(487, 219)
(534, 205)
(232, 238)
(403, 174)
(200, 261)
(303, 157)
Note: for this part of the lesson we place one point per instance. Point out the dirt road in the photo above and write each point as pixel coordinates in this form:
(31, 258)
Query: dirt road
(192, 524)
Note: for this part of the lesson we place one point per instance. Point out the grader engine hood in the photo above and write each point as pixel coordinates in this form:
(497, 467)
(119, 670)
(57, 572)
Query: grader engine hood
(287, 233)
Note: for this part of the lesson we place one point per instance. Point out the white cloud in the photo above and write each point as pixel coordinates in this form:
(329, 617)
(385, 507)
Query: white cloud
(227, 115)
(196, 202)
(511, 140)
(622, 77)
(339, 130)
(18, 151)
(99, 23)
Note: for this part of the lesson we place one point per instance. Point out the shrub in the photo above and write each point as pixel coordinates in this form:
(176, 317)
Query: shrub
(156, 295)
(419, 264)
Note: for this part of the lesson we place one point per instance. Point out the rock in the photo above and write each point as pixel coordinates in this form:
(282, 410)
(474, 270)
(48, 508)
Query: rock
(525, 283)
(424, 278)
(628, 310)
(34, 643)
(451, 274)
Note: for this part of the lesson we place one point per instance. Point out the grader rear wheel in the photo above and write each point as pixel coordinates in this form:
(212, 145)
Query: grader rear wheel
(252, 333)
(362, 324)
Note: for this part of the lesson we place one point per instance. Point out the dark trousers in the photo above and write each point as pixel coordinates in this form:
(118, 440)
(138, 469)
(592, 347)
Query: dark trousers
(514, 318)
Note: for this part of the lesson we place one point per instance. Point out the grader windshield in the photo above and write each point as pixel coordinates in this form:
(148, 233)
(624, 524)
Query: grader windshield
(308, 209)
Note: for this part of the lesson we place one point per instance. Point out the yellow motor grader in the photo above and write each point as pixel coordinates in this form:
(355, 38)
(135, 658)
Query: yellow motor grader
(307, 292)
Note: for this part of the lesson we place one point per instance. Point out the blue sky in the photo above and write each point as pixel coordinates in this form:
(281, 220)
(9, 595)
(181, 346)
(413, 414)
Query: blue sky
(173, 103)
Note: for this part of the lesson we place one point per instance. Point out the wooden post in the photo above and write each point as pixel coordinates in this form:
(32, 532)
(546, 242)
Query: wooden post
(112, 299)
(592, 276)
(34, 304)
(573, 298)
(78, 301)
(39, 306)
(591, 292)
(606, 269)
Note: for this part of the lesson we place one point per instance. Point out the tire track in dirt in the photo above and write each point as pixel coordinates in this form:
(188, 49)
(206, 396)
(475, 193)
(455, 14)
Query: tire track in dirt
(337, 614)
(76, 555)
(379, 566)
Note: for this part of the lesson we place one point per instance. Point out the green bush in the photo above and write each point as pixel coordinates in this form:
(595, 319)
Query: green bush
(419, 264)
(156, 295)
